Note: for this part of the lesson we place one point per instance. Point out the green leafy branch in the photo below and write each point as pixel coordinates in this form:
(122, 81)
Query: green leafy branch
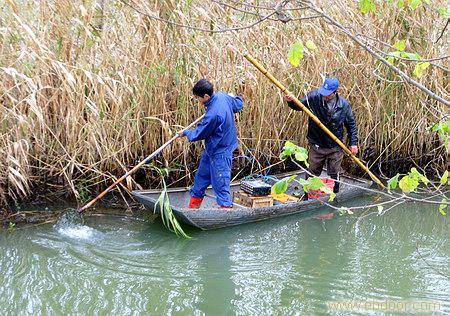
(370, 6)
(292, 150)
(407, 183)
(444, 11)
(165, 209)
(297, 51)
(313, 183)
(300, 154)
(443, 130)
(400, 52)
(410, 182)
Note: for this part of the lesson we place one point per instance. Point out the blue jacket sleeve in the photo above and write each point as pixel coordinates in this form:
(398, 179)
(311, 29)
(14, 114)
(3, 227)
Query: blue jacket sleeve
(204, 129)
(238, 104)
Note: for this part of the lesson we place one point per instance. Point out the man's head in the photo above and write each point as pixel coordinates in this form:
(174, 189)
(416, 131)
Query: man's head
(329, 88)
(203, 90)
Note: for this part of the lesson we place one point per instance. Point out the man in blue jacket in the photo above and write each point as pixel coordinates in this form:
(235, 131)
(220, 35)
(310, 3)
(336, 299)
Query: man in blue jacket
(334, 112)
(219, 132)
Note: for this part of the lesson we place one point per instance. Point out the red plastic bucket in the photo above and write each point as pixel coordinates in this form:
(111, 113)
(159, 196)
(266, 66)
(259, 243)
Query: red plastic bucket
(315, 194)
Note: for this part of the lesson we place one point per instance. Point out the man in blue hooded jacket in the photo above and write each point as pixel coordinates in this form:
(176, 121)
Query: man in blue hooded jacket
(219, 132)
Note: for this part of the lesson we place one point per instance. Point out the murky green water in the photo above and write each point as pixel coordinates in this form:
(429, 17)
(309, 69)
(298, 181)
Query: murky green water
(298, 265)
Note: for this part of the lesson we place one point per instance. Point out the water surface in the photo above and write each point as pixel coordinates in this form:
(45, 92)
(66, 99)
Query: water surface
(298, 265)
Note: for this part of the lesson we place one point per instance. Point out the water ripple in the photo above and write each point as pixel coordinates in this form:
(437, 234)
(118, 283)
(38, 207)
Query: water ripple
(120, 265)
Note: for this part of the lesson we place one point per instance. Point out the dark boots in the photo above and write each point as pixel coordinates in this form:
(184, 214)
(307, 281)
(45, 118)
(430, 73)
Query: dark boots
(336, 184)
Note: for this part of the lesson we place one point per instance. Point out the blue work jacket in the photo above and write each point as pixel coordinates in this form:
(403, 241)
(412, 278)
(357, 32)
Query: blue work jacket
(217, 127)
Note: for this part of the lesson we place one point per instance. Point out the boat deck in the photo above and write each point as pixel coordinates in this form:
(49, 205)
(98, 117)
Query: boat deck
(210, 216)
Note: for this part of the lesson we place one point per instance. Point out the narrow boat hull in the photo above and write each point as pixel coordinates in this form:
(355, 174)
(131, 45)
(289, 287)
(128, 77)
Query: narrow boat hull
(210, 216)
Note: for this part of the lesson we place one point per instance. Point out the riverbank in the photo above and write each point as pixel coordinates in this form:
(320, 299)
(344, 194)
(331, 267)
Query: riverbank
(35, 208)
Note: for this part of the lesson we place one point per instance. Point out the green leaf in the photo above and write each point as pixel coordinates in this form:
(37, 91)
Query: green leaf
(295, 54)
(315, 183)
(442, 207)
(395, 54)
(408, 184)
(444, 177)
(444, 12)
(410, 56)
(288, 150)
(443, 130)
(400, 45)
(420, 68)
(282, 185)
(380, 209)
(11, 226)
(436, 127)
(391, 60)
(169, 220)
(446, 126)
(392, 182)
(310, 45)
(418, 176)
(279, 187)
(424, 180)
(301, 156)
(414, 4)
(332, 196)
(366, 6)
(302, 181)
(343, 210)
(400, 4)
(300, 153)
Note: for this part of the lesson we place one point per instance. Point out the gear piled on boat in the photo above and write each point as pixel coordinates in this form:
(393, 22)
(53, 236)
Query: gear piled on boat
(255, 187)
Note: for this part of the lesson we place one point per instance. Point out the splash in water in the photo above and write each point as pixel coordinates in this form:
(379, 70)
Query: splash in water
(70, 224)
(77, 232)
(69, 218)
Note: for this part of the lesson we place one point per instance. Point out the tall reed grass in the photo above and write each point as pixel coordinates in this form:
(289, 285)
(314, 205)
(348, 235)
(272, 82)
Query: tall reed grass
(89, 88)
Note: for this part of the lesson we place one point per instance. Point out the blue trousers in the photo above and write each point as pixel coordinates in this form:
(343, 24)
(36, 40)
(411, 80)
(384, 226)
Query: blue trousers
(216, 171)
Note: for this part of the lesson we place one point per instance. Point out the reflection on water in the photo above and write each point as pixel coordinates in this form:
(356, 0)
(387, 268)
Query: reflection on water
(116, 264)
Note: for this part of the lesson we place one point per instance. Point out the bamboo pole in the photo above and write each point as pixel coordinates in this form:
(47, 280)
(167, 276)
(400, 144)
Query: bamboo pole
(283, 89)
(143, 162)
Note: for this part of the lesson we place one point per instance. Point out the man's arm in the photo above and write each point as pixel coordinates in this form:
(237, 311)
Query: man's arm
(305, 101)
(352, 130)
(204, 129)
(237, 103)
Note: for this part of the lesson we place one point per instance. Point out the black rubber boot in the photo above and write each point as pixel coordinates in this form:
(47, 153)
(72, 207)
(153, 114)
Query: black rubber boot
(305, 195)
(336, 184)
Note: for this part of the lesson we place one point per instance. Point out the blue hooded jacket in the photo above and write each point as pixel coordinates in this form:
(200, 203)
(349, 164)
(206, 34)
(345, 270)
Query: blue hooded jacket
(217, 127)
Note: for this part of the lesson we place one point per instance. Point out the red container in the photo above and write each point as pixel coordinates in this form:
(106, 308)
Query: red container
(315, 194)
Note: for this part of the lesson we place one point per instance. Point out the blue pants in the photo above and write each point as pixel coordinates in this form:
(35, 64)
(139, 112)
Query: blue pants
(214, 170)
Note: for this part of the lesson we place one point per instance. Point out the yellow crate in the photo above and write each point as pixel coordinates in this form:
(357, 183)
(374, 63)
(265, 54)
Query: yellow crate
(283, 197)
(245, 199)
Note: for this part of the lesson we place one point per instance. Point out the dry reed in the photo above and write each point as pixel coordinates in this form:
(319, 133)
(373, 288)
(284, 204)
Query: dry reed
(89, 88)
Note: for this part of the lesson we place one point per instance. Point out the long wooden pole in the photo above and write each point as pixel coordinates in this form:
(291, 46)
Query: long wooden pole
(143, 162)
(312, 116)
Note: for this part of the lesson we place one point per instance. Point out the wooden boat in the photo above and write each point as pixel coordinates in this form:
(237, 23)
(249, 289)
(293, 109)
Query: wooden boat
(210, 216)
